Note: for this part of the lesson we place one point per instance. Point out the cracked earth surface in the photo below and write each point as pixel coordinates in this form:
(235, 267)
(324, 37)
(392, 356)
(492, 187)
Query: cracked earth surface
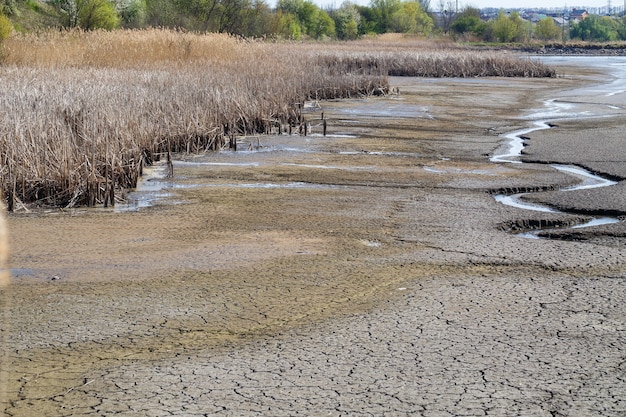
(365, 273)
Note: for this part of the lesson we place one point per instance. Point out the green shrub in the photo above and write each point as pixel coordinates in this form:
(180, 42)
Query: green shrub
(5, 27)
(97, 14)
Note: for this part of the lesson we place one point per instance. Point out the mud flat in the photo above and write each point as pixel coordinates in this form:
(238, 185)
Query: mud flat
(367, 272)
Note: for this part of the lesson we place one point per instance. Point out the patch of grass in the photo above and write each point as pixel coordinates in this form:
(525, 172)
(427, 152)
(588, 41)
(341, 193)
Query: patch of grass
(35, 16)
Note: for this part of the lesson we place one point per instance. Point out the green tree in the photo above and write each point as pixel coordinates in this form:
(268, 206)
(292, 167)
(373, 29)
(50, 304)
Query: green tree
(410, 18)
(469, 24)
(97, 14)
(469, 21)
(621, 29)
(162, 13)
(510, 28)
(546, 29)
(202, 15)
(5, 27)
(288, 26)
(240, 17)
(313, 21)
(503, 28)
(596, 28)
(88, 14)
(307, 15)
(382, 12)
(260, 20)
(231, 15)
(347, 19)
(132, 13)
(368, 22)
(323, 27)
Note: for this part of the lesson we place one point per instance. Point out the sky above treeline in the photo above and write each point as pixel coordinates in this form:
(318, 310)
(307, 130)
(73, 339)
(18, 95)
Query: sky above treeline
(557, 4)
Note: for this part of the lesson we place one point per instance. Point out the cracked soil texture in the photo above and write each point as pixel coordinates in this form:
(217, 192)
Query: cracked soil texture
(365, 273)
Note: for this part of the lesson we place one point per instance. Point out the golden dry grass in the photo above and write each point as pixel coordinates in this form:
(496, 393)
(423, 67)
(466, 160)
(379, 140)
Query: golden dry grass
(82, 111)
(120, 49)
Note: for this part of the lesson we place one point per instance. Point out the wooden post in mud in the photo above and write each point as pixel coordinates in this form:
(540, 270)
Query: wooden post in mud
(300, 112)
(170, 165)
(11, 198)
(324, 126)
(106, 184)
(112, 188)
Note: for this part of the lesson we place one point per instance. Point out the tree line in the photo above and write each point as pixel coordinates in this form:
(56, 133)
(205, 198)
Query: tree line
(302, 19)
(510, 27)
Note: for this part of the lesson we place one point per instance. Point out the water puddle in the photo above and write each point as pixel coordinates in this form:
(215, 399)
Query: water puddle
(269, 185)
(151, 188)
(369, 109)
(155, 187)
(336, 167)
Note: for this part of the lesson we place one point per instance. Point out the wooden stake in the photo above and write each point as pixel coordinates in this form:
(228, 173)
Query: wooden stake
(170, 165)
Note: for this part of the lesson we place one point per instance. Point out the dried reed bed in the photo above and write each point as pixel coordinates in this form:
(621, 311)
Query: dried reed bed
(82, 112)
(398, 55)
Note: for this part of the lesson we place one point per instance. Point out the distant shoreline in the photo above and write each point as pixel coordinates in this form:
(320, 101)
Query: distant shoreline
(591, 49)
(575, 49)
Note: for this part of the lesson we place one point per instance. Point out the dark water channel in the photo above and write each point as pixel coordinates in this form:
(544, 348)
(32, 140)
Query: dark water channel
(606, 98)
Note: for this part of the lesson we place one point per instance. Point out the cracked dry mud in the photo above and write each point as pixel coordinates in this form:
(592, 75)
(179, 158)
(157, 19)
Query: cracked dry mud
(365, 273)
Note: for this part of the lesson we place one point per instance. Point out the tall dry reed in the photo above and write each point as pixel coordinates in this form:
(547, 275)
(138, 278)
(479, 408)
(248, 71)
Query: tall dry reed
(81, 112)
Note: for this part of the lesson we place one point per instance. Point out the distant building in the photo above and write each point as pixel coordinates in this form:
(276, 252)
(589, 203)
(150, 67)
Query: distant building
(576, 15)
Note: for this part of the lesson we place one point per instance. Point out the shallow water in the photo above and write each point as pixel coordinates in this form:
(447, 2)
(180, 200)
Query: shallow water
(152, 187)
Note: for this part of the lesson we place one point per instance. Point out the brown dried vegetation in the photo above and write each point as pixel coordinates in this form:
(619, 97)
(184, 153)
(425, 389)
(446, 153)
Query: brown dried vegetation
(82, 112)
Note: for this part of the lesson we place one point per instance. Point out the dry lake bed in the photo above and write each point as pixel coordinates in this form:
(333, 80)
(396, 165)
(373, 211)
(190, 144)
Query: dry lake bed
(367, 272)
